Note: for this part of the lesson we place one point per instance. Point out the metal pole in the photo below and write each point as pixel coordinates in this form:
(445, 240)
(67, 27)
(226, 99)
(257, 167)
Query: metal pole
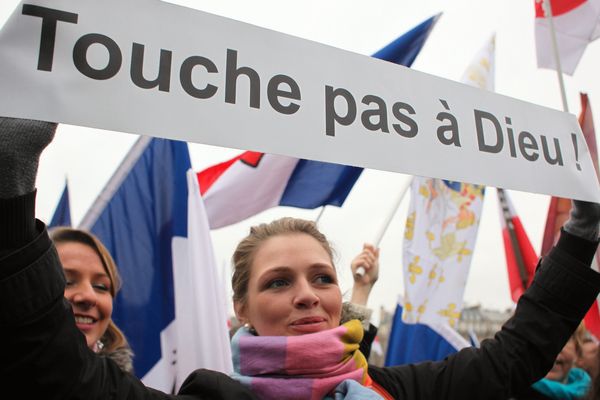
(401, 194)
(360, 271)
(320, 214)
(547, 7)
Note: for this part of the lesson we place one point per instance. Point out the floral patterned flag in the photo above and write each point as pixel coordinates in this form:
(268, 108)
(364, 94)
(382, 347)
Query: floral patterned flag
(440, 234)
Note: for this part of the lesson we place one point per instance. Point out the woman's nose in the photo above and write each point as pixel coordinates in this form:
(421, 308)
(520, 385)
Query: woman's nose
(305, 296)
(84, 295)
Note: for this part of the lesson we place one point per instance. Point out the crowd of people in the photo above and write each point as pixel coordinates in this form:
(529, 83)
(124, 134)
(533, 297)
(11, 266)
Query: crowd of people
(298, 339)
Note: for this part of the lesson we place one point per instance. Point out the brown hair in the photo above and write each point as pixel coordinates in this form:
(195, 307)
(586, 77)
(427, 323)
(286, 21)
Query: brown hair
(113, 338)
(244, 253)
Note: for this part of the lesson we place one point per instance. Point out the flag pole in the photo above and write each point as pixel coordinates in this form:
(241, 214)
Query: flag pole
(547, 7)
(360, 271)
(320, 214)
(401, 194)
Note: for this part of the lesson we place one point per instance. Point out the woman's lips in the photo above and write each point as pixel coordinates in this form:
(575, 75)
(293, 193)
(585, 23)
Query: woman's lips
(84, 323)
(309, 325)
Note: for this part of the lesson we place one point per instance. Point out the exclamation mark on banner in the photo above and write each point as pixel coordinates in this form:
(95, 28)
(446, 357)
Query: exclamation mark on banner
(574, 137)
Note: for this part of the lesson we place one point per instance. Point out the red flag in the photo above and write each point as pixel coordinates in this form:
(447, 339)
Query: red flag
(592, 318)
(586, 121)
(521, 258)
(558, 213)
(559, 209)
(576, 23)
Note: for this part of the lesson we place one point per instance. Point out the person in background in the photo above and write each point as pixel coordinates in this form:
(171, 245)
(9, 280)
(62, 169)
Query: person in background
(592, 364)
(92, 283)
(287, 293)
(588, 360)
(564, 381)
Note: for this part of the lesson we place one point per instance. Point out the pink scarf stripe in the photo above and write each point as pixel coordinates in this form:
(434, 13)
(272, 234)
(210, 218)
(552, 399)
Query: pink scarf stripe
(322, 348)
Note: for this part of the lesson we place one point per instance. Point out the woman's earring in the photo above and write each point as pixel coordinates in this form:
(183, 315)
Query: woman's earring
(98, 346)
(250, 328)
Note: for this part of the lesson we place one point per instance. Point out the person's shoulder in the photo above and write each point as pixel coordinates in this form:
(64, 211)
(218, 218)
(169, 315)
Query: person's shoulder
(392, 379)
(123, 357)
(208, 384)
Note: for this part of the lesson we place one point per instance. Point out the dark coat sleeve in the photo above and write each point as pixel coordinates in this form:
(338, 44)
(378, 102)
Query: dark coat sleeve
(45, 354)
(367, 341)
(524, 349)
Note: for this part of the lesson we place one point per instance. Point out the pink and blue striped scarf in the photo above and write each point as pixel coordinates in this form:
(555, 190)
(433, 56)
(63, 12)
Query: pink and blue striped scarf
(315, 366)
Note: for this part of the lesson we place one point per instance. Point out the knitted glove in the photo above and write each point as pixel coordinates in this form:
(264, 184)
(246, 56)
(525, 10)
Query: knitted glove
(584, 220)
(21, 143)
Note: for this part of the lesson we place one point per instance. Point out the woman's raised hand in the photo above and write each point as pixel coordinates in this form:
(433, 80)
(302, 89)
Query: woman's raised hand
(368, 260)
(584, 220)
(21, 143)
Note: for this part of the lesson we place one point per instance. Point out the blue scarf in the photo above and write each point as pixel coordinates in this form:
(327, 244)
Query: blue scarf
(577, 385)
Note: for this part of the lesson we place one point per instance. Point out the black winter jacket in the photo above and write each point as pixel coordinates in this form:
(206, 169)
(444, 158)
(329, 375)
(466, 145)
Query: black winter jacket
(44, 352)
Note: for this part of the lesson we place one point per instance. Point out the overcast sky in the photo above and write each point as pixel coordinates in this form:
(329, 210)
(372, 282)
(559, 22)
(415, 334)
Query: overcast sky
(88, 157)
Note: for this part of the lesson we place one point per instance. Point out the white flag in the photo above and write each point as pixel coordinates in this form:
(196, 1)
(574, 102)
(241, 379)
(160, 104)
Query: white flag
(200, 299)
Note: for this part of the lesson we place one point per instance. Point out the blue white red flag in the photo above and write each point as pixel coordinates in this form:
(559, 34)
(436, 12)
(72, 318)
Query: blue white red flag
(142, 216)
(252, 182)
(62, 213)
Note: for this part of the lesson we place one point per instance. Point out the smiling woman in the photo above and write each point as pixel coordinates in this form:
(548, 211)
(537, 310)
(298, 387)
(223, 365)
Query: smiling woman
(92, 282)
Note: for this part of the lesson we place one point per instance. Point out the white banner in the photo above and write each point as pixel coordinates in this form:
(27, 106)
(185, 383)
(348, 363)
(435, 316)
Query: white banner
(158, 69)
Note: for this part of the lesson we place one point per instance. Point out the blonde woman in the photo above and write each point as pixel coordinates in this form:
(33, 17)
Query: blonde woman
(92, 283)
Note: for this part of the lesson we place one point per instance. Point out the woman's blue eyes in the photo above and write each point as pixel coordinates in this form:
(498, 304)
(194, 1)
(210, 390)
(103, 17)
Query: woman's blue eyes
(277, 283)
(325, 279)
(320, 279)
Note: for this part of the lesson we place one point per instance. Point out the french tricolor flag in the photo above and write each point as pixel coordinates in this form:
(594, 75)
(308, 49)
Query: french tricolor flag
(252, 182)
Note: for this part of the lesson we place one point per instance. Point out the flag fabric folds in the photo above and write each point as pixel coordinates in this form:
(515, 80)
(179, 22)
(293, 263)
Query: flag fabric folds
(521, 258)
(441, 230)
(413, 343)
(576, 23)
(440, 234)
(253, 182)
(405, 49)
(559, 209)
(142, 218)
(200, 299)
(62, 213)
